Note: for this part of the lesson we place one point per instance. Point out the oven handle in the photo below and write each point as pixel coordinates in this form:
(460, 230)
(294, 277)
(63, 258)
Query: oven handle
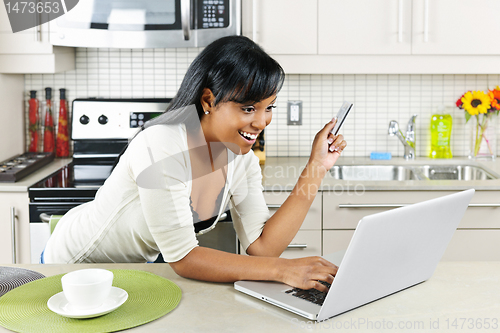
(45, 217)
(83, 156)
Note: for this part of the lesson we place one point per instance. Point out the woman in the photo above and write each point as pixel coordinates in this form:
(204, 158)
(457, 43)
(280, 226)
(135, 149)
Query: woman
(179, 173)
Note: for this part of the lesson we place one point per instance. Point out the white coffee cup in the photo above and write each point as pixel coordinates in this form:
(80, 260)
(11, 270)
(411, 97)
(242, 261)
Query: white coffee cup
(87, 288)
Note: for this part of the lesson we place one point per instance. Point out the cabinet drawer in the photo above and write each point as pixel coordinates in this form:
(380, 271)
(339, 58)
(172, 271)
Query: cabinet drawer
(465, 245)
(474, 245)
(345, 211)
(336, 240)
(306, 243)
(312, 220)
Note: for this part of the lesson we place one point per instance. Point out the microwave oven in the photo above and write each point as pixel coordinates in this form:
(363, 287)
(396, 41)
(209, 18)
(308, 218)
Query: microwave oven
(146, 23)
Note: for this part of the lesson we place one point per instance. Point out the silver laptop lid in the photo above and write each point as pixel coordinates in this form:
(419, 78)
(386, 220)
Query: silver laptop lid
(394, 250)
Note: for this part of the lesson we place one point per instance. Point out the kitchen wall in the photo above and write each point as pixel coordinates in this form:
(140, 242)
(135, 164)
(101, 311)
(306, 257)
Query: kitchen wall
(122, 73)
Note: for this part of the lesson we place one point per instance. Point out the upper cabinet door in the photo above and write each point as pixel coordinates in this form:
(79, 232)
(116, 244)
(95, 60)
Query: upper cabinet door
(286, 26)
(465, 27)
(364, 27)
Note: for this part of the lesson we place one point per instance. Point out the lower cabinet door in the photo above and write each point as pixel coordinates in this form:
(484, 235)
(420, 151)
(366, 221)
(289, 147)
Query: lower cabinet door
(336, 240)
(306, 243)
(465, 245)
(474, 245)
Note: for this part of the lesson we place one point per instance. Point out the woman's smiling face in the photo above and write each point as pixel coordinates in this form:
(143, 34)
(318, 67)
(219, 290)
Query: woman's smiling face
(234, 124)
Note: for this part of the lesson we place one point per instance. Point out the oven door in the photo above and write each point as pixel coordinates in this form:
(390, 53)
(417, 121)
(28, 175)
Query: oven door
(146, 23)
(223, 237)
(39, 223)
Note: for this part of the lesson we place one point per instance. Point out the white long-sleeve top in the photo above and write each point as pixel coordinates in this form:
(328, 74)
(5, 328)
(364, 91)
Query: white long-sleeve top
(143, 208)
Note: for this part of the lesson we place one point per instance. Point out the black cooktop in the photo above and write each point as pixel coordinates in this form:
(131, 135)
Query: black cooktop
(63, 184)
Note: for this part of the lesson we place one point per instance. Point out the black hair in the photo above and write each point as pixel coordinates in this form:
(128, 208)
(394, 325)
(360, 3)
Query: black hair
(235, 69)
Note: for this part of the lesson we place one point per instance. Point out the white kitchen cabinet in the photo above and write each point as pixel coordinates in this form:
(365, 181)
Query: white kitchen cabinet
(336, 240)
(285, 26)
(30, 51)
(442, 27)
(364, 27)
(307, 242)
(450, 27)
(377, 36)
(312, 220)
(476, 238)
(17, 203)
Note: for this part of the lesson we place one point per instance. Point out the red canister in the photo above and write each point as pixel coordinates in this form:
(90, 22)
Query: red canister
(62, 141)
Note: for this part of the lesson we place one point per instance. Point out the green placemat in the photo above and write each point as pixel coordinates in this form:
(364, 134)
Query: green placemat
(24, 309)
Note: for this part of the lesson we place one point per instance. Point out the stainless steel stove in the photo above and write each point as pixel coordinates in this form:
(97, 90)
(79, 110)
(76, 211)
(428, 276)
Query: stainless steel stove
(101, 129)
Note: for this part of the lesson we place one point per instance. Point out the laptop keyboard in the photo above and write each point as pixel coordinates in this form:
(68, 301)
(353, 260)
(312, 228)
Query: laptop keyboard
(311, 295)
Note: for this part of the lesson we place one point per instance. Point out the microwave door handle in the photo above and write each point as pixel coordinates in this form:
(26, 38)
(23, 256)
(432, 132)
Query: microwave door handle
(185, 15)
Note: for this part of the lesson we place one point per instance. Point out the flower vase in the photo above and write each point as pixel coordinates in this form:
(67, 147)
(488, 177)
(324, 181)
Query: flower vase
(483, 139)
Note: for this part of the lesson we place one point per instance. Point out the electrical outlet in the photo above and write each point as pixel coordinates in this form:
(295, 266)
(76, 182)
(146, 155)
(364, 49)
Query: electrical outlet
(294, 113)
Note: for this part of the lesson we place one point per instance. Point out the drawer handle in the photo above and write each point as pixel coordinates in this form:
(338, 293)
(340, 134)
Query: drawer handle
(492, 205)
(273, 206)
(372, 205)
(297, 246)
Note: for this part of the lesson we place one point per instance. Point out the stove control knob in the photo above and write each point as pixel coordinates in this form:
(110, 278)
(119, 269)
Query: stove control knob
(103, 120)
(84, 120)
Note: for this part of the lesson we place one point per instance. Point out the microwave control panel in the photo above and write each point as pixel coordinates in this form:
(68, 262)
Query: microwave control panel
(213, 14)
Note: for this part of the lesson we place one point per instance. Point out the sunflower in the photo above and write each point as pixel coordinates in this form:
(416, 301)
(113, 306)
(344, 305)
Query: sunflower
(495, 99)
(476, 102)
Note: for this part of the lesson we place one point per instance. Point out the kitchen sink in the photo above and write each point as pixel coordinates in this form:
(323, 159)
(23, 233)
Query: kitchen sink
(410, 172)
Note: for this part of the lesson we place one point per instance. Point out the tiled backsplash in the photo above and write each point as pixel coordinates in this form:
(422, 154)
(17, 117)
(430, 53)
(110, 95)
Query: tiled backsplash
(124, 73)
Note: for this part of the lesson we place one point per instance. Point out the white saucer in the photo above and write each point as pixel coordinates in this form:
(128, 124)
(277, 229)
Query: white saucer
(60, 305)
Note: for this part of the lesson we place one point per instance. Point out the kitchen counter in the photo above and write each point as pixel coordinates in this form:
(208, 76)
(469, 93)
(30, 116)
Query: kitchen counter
(24, 183)
(281, 174)
(460, 296)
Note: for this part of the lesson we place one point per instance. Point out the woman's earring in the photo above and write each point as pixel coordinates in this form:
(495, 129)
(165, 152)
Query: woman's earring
(207, 112)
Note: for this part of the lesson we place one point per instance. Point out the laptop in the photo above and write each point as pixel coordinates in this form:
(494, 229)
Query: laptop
(389, 251)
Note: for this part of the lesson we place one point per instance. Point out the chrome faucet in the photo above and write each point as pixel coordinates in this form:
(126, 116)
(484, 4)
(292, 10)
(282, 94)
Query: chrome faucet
(408, 141)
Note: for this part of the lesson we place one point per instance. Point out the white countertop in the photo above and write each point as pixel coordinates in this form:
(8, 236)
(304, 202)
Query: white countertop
(281, 174)
(459, 293)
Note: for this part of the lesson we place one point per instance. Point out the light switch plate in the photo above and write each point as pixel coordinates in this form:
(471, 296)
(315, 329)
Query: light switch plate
(294, 113)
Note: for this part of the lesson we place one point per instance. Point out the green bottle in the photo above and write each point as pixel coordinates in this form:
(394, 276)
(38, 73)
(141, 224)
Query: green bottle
(441, 135)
